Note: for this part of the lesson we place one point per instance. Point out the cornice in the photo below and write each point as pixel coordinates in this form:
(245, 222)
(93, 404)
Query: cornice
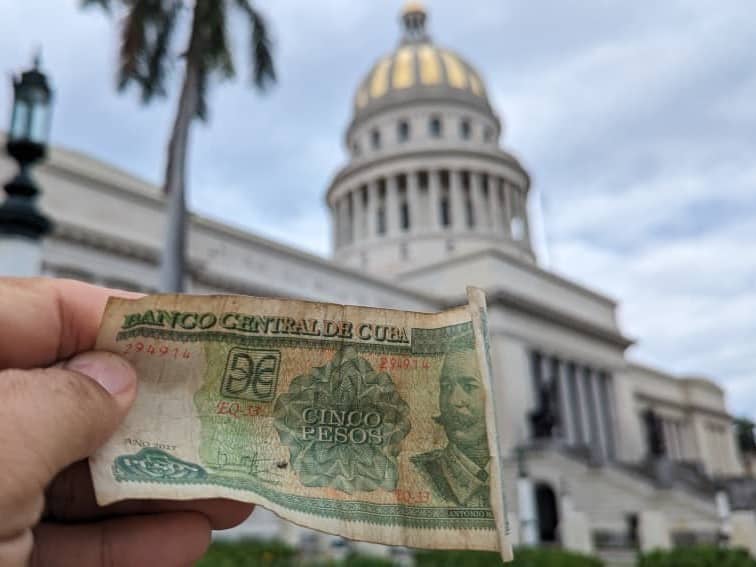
(548, 314)
(497, 157)
(522, 264)
(684, 406)
(151, 254)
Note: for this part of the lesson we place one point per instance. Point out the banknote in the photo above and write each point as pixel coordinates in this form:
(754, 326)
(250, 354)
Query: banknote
(373, 424)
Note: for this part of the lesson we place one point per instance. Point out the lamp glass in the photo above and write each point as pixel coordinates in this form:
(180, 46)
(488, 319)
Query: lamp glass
(38, 123)
(19, 120)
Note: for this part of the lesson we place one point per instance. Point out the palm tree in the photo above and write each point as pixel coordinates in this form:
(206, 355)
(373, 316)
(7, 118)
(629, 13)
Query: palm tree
(147, 31)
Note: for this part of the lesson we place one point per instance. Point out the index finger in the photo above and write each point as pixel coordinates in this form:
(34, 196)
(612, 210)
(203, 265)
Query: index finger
(44, 320)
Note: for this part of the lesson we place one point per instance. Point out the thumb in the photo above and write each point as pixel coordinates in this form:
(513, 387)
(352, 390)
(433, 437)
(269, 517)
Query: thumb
(56, 416)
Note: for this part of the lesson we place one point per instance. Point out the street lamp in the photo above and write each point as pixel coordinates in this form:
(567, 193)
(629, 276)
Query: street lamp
(22, 225)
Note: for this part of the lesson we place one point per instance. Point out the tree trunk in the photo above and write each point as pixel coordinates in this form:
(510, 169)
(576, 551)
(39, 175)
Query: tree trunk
(173, 259)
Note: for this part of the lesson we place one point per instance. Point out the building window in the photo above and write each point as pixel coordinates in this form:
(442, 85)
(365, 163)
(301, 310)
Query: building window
(488, 134)
(375, 138)
(465, 129)
(403, 131)
(356, 148)
(434, 127)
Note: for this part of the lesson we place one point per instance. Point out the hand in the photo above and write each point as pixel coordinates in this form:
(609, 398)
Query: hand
(59, 401)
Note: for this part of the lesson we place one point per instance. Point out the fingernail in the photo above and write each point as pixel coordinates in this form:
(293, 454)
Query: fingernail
(107, 369)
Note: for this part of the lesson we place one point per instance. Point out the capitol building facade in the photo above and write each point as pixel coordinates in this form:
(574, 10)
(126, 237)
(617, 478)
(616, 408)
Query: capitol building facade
(602, 454)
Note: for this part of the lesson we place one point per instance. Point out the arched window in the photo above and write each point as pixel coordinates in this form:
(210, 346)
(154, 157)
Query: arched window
(434, 127)
(356, 148)
(375, 138)
(547, 513)
(488, 134)
(403, 131)
(465, 129)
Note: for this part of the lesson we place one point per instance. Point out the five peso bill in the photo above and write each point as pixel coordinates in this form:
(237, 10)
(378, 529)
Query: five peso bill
(373, 424)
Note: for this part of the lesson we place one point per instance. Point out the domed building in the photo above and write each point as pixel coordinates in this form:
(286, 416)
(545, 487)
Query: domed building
(601, 454)
(427, 178)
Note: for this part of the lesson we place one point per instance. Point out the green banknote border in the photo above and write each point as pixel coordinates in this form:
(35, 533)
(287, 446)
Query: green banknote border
(422, 517)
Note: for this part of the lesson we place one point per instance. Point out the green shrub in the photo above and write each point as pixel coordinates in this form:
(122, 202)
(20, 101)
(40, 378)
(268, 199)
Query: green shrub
(248, 553)
(523, 557)
(251, 553)
(700, 556)
(363, 561)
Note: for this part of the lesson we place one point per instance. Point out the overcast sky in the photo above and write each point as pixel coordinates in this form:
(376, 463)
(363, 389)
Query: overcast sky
(637, 121)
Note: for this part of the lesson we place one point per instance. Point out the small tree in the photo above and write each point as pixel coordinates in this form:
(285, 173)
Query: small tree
(147, 32)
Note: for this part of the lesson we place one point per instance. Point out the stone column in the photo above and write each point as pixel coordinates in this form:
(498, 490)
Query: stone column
(585, 401)
(568, 420)
(413, 202)
(371, 211)
(494, 204)
(600, 414)
(456, 202)
(336, 215)
(482, 216)
(434, 200)
(358, 223)
(392, 206)
(525, 216)
(526, 511)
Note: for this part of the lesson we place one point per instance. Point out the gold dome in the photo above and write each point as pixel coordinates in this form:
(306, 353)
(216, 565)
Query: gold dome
(418, 65)
(419, 69)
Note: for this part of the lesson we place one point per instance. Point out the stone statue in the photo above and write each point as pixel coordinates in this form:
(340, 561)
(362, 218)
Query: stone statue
(544, 418)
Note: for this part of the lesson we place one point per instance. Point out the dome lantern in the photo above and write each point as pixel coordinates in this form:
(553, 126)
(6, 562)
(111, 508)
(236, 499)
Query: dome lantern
(413, 19)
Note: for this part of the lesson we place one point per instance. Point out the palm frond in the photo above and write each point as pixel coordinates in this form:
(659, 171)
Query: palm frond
(209, 51)
(159, 58)
(145, 41)
(104, 4)
(263, 68)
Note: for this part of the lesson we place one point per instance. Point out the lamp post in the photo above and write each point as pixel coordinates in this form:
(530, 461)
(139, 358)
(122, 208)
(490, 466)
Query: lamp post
(22, 224)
